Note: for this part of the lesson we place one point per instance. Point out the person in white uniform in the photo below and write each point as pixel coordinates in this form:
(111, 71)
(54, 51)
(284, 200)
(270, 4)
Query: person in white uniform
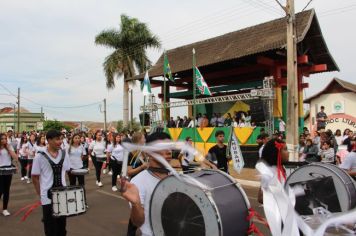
(7, 153)
(97, 149)
(138, 192)
(31, 155)
(116, 154)
(48, 171)
(75, 153)
(22, 150)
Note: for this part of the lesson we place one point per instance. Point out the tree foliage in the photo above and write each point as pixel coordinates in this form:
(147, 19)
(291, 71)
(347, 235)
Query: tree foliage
(136, 126)
(54, 124)
(129, 44)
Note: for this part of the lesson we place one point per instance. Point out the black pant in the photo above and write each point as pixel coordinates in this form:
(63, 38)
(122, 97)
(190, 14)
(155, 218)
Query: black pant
(53, 226)
(23, 166)
(116, 170)
(131, 229)
(98, 165)
(85, 162)
(73, 179)
(5, 183)
(29, 164)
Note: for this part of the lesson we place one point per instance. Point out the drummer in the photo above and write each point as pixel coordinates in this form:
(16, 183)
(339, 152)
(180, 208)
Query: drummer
(44, 179)
(75, 153)
(186, 157)
(6, 154)
(349, 163)
(138, 192)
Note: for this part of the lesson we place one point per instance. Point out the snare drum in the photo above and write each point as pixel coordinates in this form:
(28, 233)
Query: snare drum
(68, 201)
(7, 170)
(79, 172)
(325, 185)
(178, 208)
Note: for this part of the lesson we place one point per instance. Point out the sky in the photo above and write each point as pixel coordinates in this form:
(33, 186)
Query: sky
(47, 46)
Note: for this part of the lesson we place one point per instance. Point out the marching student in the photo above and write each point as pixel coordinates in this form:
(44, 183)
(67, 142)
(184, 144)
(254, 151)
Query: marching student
(31, 155)
(22, 150)
(7, 153)
(85, 145)
(138, 192)
(40, 144)
(97, 150)
(217, 157)
(49, 168)
(185, 158)
(115, 153)
(75, 153)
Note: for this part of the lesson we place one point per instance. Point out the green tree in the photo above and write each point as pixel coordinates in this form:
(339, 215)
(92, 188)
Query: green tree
(54, 124)
(136, 126)
(129, 43)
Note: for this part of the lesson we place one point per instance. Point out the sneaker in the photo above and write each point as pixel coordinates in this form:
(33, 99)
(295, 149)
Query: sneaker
(114, 188)
(97, 182)
(110, 172)
(104, 171)
(6, 213)
(100, 184)
(28, 181)
(26, 177)
(22, 178)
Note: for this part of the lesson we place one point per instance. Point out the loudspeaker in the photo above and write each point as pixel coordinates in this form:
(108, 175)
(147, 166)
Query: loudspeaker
(257, 111)
(147, 119)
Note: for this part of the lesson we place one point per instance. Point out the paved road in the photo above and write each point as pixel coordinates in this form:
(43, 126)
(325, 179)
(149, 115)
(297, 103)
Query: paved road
(107, 215)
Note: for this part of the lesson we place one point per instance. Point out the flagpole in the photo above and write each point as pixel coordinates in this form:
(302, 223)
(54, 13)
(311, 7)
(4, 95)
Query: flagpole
(194, 97)
(164, 95)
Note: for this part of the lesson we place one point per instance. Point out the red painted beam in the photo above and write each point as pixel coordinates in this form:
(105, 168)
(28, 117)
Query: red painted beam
(304, 85)
(265, 61)
(302, 60)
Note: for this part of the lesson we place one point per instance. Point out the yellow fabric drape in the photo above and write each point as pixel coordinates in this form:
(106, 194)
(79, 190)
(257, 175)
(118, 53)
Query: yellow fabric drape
(238, 106)
(175, 132)
(205, 133)
(243, 134)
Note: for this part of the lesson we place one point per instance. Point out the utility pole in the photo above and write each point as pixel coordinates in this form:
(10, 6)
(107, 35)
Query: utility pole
(42, 115)
(292, 83)
(104, 114)
(18, 110)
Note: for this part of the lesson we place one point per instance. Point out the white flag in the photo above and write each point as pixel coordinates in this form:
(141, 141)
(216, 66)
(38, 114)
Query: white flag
(146, 85)
(236, 153)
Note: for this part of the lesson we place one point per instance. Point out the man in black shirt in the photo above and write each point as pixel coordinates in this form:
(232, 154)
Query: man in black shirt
(321, 119)
(217, 154)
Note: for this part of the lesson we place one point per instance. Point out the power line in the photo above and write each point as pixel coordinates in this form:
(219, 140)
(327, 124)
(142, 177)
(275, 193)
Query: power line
(60, 107)
(4, 87)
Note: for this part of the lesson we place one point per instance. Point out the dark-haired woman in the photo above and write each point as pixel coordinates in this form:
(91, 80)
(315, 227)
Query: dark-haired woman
(22, 150)
(31, 155)
(75, 153)
(7, 153)
(115, 153)
(85, 145)
(40, 144)
(97, 151)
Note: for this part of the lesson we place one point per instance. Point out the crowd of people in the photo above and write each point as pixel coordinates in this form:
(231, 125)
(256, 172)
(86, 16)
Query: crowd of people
(238, 119)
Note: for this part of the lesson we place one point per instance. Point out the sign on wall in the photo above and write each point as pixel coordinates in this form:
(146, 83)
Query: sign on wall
(39, 125)
(338, 107)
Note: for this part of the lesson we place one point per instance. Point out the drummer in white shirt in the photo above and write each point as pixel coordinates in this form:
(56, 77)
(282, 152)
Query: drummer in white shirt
(115, 153)
(6, 155)
(76, 152)
(97, 149)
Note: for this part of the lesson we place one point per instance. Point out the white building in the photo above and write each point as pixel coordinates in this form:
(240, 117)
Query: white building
(339, 100)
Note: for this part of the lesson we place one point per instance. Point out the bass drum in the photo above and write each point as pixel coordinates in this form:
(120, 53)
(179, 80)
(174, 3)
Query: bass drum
(178, 208)
(325, 185)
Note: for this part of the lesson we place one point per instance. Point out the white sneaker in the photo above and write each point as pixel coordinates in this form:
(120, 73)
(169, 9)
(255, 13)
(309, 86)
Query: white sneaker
(100, 184)
(97, 182)
(104, 171)
(28, 181)
(114, 188)
(26, 177)
(22, 178)
(110, 172)
(6, 213)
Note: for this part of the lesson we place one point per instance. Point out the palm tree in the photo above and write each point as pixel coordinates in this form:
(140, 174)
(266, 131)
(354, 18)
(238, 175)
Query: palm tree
(129, 44)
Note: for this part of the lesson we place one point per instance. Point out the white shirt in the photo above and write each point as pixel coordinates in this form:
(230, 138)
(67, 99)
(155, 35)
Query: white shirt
(146, 183)
(31, 150)
(75, 157)
(98, 148)
(117, 152)
(5, 158)
(339, 140)
(349, 162)
(42, 168)
(191, 124)
(187, 157)
(23, 150)
(282, 126)
(40, 148)
(260, 151)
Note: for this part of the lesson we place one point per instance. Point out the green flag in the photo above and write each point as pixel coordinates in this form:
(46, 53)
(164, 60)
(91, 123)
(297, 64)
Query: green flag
(167, 69)
(200, 83)
(146, 85)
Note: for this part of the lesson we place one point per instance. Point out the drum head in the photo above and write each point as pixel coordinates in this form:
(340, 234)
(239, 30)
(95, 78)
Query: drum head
(178, 208)
(325, 185)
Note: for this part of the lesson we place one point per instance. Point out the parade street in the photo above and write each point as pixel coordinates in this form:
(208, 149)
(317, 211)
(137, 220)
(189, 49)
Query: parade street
(108, 212)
